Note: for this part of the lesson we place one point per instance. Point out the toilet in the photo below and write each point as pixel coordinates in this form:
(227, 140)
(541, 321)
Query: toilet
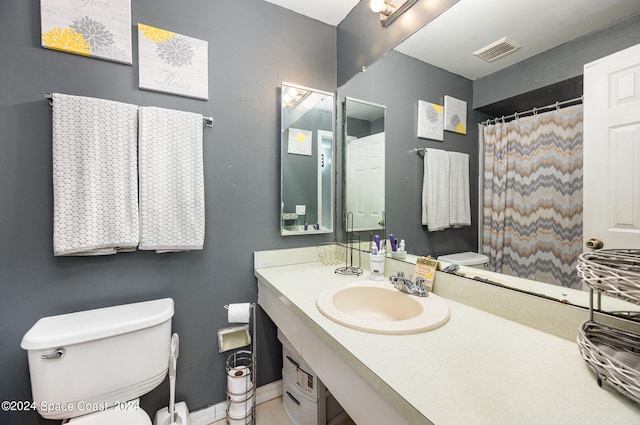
(90, 367)
(469, 259)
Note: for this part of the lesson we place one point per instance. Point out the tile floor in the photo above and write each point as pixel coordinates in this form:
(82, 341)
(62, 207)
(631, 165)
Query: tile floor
(272, 413)
(268, 413)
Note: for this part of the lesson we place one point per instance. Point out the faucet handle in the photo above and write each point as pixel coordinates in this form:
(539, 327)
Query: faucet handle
(420, 284)
(400, 274)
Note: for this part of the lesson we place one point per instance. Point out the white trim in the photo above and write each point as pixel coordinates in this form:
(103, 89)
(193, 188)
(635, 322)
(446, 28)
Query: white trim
(217, 412)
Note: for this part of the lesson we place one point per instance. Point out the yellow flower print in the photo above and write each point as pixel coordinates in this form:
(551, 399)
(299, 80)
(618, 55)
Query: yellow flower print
(460, 128)
(66, 39)
(155, 34)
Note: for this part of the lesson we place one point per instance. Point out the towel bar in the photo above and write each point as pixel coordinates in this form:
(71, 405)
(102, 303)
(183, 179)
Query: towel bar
(208, 121)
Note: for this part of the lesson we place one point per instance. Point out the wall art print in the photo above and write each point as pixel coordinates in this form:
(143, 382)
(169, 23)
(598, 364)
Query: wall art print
(455, 115)
(300, 142)
(95, 28)
(430, 121)
(172, 63)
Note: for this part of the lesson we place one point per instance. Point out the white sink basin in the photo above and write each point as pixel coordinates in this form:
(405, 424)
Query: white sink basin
(377, 307)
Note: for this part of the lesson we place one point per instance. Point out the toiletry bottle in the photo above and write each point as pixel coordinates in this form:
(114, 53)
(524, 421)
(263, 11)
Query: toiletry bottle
(401, 248)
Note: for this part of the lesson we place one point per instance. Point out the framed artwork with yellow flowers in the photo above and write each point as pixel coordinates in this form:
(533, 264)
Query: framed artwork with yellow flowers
(455, 115)
(172, 63)
(94, 28)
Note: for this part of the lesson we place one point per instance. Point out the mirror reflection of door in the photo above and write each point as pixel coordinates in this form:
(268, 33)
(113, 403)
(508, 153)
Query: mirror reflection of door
(612, 148)
(364, 164)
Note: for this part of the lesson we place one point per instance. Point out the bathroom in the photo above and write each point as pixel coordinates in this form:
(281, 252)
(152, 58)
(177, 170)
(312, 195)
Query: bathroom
(253, 47)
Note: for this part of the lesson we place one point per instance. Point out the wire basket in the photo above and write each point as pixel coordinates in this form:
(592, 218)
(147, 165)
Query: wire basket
(614, 354)
(331, 253)
(616, 272)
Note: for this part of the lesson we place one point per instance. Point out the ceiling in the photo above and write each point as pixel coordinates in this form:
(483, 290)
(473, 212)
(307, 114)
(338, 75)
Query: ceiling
(449, 41)
(330, 12)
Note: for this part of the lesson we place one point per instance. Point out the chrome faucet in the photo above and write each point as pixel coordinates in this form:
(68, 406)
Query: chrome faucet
(417, 288)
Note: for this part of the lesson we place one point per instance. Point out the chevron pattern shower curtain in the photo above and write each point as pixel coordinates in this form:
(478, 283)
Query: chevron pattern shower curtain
(532, 224)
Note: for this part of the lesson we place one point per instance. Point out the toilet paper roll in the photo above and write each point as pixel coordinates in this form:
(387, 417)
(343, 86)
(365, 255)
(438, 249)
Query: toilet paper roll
(240, 410)
(239, 380)
(239, 313)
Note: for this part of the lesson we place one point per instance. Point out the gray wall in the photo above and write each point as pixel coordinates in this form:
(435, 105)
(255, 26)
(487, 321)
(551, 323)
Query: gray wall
(362, 40)
(253, 47)
(555, 65)
(398, 82)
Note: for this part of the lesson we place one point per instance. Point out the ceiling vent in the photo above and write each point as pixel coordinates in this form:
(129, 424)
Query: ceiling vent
(497, 49)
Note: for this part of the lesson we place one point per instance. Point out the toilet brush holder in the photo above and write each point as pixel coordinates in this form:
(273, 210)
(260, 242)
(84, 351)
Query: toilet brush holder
(181, 415)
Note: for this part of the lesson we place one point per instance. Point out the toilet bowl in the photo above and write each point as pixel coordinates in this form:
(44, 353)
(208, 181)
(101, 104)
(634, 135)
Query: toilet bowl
(89, 367)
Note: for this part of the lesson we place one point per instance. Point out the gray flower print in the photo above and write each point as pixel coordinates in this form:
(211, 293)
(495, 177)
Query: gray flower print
(94, 32)
(432, 115)
(454, 121)
(113, 53)
(176, 51)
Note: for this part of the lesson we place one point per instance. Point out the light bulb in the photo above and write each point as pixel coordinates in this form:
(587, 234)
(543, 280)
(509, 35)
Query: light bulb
(377, 6)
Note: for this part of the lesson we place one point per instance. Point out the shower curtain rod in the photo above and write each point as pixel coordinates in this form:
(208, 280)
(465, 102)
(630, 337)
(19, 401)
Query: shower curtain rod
(208, 121)
(534, 111)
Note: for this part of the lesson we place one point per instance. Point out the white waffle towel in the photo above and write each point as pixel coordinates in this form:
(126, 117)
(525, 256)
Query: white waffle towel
(171, 179)
(435, 190)
(460, 204)
(95, 183)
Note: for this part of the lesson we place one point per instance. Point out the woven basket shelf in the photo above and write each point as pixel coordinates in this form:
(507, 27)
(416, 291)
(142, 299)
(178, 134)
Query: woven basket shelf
(614, 272)
(614, 354)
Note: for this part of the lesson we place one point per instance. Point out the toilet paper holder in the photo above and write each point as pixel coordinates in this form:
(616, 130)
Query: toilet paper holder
(236, 337)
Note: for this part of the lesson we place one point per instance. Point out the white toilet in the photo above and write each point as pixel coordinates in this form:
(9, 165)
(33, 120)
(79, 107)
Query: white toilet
(91, 366)
(469, 259)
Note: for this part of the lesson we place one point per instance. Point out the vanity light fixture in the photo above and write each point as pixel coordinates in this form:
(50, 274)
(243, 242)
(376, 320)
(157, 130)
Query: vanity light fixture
(293, 96)
(388, 11)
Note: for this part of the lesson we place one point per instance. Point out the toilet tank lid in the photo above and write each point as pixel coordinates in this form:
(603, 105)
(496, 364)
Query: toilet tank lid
(465, 258)
(89, 325)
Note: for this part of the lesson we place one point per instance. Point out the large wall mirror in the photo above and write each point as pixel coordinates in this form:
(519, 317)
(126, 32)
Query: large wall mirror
(364, 162)
(398, 81)
(307, 174)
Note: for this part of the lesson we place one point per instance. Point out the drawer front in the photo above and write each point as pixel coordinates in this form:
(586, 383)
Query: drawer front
(300, 408)
(298, 372)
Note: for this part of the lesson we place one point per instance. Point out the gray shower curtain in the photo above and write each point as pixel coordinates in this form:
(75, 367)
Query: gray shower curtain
(532, 212)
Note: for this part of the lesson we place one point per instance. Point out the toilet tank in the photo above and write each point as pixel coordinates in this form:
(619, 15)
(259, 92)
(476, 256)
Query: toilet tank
(111, 355)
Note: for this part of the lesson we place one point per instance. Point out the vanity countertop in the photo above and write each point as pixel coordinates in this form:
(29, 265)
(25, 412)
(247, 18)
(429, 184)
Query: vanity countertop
(476, 369)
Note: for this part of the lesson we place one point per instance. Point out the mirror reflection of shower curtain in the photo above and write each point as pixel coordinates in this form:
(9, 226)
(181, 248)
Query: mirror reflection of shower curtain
(532, 214)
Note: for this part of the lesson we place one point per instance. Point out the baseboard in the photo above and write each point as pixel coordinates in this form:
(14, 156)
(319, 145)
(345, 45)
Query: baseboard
(217, 412)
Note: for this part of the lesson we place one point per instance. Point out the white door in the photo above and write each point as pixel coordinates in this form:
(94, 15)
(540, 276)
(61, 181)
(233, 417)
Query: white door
(365, 181)
(612, 149)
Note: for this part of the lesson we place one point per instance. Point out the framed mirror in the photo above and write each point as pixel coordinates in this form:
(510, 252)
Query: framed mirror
(306, 173)
(399, 81)
(364, 164)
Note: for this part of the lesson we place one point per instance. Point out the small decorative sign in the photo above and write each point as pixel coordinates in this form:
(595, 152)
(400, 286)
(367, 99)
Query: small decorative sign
(300, 142)
(172, 63)
(95, 28)
(455, 115)
(430, 121)
(426, 268)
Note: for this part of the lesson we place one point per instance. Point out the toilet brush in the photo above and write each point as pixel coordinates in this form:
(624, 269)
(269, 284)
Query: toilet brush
(175, 413)
(173, 363)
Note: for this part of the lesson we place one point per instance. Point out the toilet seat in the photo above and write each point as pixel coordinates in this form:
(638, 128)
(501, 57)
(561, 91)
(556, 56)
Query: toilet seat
(113, 417)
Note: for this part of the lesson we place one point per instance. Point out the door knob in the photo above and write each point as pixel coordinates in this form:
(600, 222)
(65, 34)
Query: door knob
(594, 243)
